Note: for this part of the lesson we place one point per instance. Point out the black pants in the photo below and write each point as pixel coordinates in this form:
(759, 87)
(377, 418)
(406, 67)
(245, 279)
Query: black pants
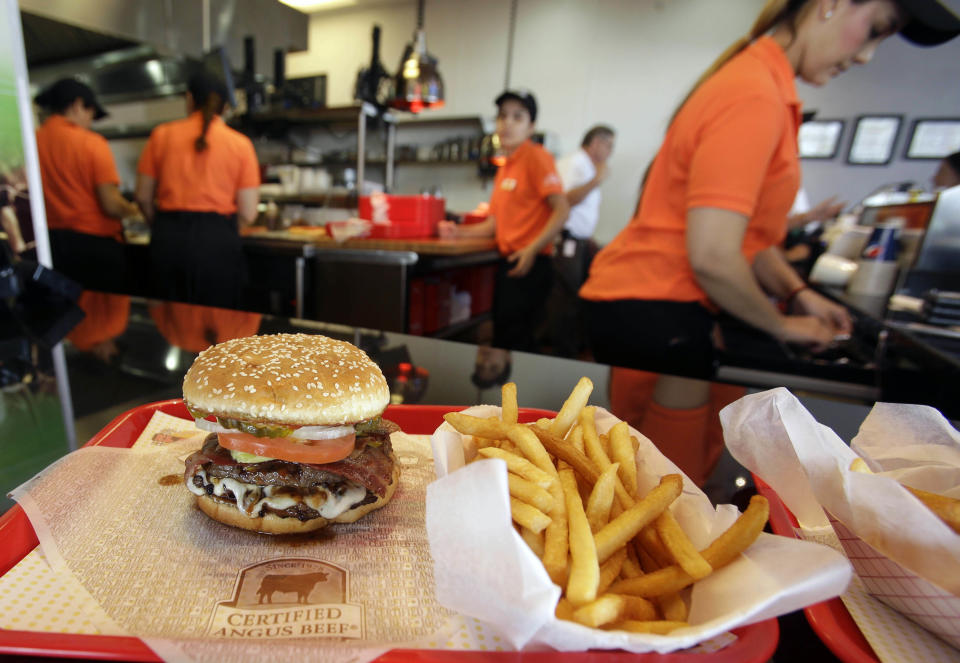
(519, 304)
(196, 257)
(96, 263)
(565, 334)
(657, 336)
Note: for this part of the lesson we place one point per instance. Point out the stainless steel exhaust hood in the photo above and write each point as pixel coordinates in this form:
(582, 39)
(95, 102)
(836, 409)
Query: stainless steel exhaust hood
(133, 49)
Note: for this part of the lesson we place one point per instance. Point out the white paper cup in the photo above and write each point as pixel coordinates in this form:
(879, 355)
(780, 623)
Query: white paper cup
(833, 270)
(850, 243)
(874, 277)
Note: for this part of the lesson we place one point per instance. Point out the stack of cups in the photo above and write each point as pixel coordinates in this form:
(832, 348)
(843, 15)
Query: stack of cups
(877, 271)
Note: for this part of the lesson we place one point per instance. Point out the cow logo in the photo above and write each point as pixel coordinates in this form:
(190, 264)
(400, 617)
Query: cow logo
(291, 597)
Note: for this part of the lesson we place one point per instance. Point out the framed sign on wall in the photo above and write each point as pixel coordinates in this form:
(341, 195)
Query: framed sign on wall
(874, 137)
(933, 138)
(820, 139)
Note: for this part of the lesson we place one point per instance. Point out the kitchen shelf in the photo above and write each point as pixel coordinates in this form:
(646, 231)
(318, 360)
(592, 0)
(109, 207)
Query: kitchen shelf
(337, 199)
(440, 121)
(343, 163)
(357, 115)
(334, 115)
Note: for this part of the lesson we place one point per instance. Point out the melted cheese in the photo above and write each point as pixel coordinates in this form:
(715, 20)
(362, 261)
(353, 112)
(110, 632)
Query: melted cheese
(250, 498)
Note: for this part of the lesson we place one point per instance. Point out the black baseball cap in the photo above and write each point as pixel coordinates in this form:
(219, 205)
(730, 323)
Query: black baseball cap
(64, 92)
(522, 96)
(931, 22)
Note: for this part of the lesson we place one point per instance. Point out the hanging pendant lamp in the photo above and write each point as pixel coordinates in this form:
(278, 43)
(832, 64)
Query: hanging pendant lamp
(418, 82)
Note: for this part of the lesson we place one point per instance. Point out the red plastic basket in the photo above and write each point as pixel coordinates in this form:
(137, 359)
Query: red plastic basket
(829, 619)
(409, 216)
(755, 643)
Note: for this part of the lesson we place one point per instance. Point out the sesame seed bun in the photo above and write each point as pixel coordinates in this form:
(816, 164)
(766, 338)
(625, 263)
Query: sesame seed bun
(299, 379)
(228, 514)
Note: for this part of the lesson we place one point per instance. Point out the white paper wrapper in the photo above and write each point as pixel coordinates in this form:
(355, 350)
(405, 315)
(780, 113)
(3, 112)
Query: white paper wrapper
(912, 560)
(484, 569)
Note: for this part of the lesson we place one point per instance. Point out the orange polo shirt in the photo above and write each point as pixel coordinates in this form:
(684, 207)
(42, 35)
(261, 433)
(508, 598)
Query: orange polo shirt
(733, 146)
(519, 199)
(73, 161)
(191, 181)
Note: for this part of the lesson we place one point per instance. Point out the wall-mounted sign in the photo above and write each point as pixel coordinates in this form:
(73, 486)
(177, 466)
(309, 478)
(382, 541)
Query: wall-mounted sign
(933, 138)
(874, 137)
(820, 139)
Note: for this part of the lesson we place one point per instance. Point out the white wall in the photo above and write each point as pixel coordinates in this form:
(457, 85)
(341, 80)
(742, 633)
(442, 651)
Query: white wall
(623, 62)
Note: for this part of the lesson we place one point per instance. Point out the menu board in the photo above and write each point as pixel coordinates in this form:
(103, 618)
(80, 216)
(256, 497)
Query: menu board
(933, 138)
(820, 139)
(874, 138)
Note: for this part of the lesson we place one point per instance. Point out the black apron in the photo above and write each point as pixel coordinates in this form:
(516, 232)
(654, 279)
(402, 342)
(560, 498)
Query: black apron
(197, 257)
(95, 262)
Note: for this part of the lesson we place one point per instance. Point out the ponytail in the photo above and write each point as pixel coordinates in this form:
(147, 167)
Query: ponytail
(209, 95)
(773, 13)
(212, 105)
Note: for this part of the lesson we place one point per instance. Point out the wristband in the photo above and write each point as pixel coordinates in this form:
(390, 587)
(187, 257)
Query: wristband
(793, 293)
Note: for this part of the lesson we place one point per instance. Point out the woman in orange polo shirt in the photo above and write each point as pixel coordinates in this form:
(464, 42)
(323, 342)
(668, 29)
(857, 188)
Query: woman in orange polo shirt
(196, 180)
(527, 210)
(84, 209)
(714, 208)
(81, 189)
(715, 204)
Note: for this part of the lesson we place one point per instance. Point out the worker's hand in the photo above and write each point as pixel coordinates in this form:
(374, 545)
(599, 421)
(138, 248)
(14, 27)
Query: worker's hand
(522, 261)
(806, 330)
(829, 312)
(826, 209)
(448, 230)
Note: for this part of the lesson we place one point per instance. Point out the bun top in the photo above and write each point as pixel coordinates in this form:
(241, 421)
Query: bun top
(301, 379)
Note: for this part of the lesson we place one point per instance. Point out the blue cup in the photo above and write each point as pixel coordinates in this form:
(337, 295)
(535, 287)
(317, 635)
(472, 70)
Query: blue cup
(883, 245)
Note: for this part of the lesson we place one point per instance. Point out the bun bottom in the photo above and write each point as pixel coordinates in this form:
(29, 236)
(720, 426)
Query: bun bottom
(273, 524)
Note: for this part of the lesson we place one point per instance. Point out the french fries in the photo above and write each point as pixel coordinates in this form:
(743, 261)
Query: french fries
(584, 568)
(721, 552)
(529, 492)
(508, 403)
(601, 498)
(945, 508)
(676, 541)
(519, 466)
(528, 516)
(619, 553)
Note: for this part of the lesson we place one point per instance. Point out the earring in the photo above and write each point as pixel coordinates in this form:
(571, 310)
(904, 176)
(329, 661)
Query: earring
(829, 14)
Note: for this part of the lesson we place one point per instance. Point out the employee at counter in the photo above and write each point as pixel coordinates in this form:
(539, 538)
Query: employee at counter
(713, 212)
(196, 179)
(527, 210)
(84, 212)
(81, 188)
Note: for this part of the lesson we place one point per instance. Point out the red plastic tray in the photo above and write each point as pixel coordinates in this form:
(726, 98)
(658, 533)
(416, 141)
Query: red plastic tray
(754, 643)
(410, 216)
(830, 619)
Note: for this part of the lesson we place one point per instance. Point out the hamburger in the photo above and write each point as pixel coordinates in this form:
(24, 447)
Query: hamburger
(296, 438)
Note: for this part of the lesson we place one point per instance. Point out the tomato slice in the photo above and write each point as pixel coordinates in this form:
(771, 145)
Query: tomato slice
(284, 448)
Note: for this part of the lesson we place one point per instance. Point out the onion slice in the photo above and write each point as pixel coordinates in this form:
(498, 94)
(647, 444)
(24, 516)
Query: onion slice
(212, 426)
(321, 432)
(302, 433)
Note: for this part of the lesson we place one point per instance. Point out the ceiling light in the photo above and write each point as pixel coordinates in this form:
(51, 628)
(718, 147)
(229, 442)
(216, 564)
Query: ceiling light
(308, 6)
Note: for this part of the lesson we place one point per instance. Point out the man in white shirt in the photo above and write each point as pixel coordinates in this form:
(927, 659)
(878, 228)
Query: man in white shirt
(582, 173)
